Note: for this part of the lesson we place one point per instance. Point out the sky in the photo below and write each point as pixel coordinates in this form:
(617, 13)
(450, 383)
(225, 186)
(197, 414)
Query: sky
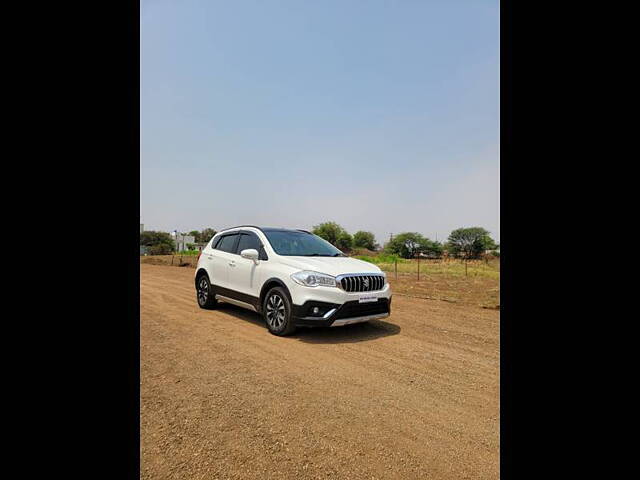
(379, 115)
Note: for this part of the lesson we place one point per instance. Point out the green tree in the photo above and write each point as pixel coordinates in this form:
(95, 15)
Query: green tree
(433, 249)
(344, 241)
(152, 238)
(469, 242)
(409, 244)
(364, 240)
(191, 246)
(195, 234)
(331, 232)
(205, 235)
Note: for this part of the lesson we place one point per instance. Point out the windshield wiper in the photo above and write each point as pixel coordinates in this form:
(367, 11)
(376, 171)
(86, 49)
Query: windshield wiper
(338, 255)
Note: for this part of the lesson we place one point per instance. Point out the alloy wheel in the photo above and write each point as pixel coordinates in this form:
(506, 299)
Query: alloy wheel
(275, 311)
(203, 290)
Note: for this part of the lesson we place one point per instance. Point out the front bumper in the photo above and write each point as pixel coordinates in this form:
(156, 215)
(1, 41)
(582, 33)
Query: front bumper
(334, 314)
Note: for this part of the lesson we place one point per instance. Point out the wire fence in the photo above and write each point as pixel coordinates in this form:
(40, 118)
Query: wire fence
(414, 268)
(423, 268)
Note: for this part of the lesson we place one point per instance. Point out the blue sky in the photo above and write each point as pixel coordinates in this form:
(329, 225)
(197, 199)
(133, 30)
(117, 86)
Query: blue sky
(380, 115)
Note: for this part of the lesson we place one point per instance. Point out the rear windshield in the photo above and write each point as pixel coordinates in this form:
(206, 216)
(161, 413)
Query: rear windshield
(291, 243)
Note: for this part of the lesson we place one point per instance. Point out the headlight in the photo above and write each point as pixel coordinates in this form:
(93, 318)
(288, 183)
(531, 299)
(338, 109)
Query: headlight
(313, 279)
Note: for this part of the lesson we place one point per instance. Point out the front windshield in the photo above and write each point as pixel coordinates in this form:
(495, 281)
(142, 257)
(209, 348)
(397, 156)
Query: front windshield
(291, 243)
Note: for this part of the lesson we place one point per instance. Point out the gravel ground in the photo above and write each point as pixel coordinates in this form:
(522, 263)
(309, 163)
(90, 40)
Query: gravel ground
(413, 396)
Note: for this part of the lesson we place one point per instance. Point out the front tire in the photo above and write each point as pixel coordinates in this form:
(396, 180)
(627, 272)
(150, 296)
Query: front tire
(276, 310)
(204, 293)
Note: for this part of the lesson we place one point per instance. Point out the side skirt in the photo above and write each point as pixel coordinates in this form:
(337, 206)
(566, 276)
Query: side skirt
(236, 298)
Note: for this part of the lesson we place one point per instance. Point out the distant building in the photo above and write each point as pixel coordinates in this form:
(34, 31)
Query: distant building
(182, 240)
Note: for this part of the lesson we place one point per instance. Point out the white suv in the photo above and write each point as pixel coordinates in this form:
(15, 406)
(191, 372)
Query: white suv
(292, 277)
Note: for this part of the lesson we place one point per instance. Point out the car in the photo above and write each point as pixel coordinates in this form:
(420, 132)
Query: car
(291, 277)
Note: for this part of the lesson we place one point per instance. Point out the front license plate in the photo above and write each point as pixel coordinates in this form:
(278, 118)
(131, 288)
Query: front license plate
(368, 298)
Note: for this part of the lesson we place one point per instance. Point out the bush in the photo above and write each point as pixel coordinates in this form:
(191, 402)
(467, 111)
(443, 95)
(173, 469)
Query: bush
(160, 249)
(161, 240)
(363, 251)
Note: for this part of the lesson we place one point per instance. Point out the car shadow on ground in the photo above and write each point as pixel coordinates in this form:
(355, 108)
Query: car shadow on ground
(357, 332)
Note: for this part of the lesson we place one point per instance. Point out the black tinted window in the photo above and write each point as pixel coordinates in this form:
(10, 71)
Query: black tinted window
(227, 243)
(248, 241)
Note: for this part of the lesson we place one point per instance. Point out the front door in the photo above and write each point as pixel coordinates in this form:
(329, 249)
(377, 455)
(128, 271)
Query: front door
(245, 275)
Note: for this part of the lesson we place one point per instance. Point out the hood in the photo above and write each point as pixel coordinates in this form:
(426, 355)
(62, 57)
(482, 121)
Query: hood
(330, 265)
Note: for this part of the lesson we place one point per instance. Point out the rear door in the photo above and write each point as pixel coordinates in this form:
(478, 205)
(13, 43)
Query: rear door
(220, 257)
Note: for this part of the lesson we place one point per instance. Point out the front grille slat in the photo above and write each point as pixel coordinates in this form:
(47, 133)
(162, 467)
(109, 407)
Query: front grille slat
(356, 283)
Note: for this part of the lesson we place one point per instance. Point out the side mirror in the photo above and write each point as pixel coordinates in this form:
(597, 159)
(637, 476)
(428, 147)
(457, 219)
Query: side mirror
(250, 253)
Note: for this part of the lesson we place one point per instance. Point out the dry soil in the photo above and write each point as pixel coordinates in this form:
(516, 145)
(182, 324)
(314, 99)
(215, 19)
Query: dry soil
(413, 396)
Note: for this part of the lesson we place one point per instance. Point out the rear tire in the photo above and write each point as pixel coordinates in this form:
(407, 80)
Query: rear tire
(204, 293)
(277, 312)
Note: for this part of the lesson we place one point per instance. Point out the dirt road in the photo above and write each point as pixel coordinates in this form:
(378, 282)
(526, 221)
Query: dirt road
(413, 396)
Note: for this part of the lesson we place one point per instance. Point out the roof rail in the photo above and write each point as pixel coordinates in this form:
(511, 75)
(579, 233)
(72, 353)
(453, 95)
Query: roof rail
(240, 226)
(260, 228)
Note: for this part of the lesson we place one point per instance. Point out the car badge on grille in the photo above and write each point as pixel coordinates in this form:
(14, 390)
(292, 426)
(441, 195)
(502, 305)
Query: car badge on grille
(366, 283)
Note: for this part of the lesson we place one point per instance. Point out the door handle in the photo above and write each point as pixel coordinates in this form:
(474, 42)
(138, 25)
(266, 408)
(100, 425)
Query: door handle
(232, 264)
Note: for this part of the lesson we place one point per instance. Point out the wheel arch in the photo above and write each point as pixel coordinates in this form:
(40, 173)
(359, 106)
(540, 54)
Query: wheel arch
(201, 271)
(269, 284)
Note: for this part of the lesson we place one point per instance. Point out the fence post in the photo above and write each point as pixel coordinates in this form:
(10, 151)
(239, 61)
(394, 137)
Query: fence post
(418, 268)
(395, 263)
(465, 267)
(172, 260)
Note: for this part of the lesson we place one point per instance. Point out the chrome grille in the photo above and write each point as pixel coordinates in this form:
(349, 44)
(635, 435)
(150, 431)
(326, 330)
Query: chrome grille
(361, 282)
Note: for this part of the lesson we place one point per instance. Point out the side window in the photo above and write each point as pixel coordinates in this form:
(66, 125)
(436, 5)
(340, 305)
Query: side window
(250, 240)
(227, 243)
(215, 243)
